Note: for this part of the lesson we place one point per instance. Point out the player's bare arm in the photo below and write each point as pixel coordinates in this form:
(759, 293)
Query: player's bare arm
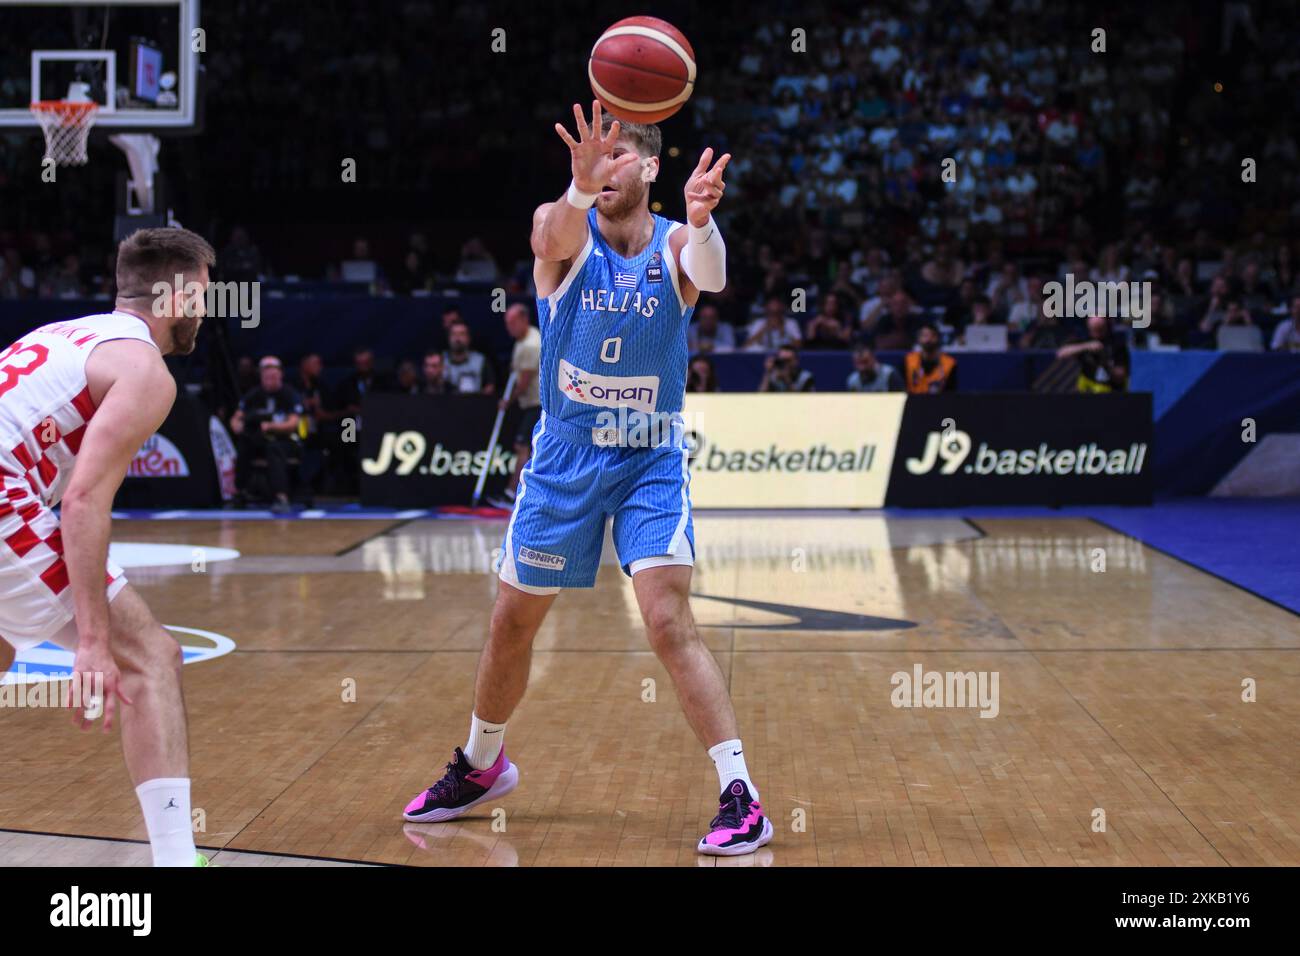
(135, 393)
(560, 228)
(698, 249)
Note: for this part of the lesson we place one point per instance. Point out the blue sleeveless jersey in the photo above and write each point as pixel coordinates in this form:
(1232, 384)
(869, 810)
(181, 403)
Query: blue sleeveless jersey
(614, 336)
(612, 376)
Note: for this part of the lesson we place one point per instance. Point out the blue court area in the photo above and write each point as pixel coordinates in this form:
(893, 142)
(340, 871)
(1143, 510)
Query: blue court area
(1253, 543)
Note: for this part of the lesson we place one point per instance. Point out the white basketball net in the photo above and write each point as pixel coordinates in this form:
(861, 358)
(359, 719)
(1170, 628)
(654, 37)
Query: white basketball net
(66, 126)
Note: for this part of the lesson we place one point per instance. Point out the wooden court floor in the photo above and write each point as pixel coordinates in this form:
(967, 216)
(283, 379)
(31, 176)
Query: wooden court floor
(1120, 734)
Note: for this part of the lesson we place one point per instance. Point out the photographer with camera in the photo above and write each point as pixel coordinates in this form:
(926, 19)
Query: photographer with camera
(781, 372)
(266, 431)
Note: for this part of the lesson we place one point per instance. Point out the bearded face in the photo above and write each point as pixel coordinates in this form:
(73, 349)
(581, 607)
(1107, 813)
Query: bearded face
(185, 334)
(627, 192)
(190, 313)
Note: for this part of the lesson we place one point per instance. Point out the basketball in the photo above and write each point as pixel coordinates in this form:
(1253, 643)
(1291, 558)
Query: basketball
(642, 69)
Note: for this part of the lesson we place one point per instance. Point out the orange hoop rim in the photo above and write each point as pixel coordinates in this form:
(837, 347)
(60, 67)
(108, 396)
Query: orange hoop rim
(68, 110)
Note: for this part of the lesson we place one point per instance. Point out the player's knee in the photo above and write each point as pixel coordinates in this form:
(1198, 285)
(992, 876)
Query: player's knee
(174, 653)
(150, 652)
(141, 645)
(514, 620)
(668, 624)
(165, 655)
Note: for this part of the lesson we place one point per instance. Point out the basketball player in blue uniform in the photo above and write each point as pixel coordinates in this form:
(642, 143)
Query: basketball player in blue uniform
(616, 286)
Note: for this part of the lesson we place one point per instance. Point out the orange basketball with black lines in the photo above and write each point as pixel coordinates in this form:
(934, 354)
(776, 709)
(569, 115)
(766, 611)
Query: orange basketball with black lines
(642, 69)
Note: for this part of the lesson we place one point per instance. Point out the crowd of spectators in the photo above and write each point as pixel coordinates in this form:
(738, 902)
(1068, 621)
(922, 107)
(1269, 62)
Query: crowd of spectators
(296, 431)
(933, 163)
(1195, 295)
(899, 165)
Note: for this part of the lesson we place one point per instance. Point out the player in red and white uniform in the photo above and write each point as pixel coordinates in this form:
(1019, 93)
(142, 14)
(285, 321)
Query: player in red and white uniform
(77, 400)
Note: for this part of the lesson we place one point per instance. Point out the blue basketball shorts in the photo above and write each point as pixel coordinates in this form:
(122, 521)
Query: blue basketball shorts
(569, 489)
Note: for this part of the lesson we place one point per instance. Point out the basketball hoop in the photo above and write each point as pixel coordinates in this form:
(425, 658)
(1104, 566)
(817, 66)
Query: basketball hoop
(66, 125)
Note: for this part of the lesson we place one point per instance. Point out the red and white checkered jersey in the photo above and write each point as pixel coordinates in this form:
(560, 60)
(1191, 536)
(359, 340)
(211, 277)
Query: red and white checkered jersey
(45, 403)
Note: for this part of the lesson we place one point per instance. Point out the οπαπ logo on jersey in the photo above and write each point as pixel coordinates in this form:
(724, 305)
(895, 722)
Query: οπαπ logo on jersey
(638, 392)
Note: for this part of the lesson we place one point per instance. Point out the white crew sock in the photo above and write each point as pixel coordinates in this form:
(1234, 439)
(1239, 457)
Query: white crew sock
(166, 805)
(729, 758)
(485, 742)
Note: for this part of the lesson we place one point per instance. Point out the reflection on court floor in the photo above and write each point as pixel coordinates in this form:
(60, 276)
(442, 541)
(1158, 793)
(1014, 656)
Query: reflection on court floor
(1123, 731)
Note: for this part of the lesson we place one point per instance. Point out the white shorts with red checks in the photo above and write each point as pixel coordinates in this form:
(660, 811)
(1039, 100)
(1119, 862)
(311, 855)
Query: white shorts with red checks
(35, 599)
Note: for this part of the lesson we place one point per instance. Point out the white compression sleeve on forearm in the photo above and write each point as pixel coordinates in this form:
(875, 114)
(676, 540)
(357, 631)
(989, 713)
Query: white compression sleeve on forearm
(704, 258)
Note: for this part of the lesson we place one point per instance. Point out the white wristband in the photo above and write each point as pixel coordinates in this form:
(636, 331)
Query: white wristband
(701, 234)
(578, 199)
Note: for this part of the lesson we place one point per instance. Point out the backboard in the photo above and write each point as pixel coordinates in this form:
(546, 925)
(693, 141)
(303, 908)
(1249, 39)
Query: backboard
(139, 58)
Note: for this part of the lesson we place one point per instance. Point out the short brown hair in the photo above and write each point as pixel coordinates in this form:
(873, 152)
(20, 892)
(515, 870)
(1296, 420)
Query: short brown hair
(649, 141)
(148, 256)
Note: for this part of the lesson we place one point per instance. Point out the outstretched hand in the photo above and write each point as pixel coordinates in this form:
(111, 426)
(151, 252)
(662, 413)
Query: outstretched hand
(704, 188)
(594, 164)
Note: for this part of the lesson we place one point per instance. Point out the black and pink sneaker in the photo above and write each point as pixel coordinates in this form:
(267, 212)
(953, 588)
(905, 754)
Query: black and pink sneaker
(739, 827)
(462, 788)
